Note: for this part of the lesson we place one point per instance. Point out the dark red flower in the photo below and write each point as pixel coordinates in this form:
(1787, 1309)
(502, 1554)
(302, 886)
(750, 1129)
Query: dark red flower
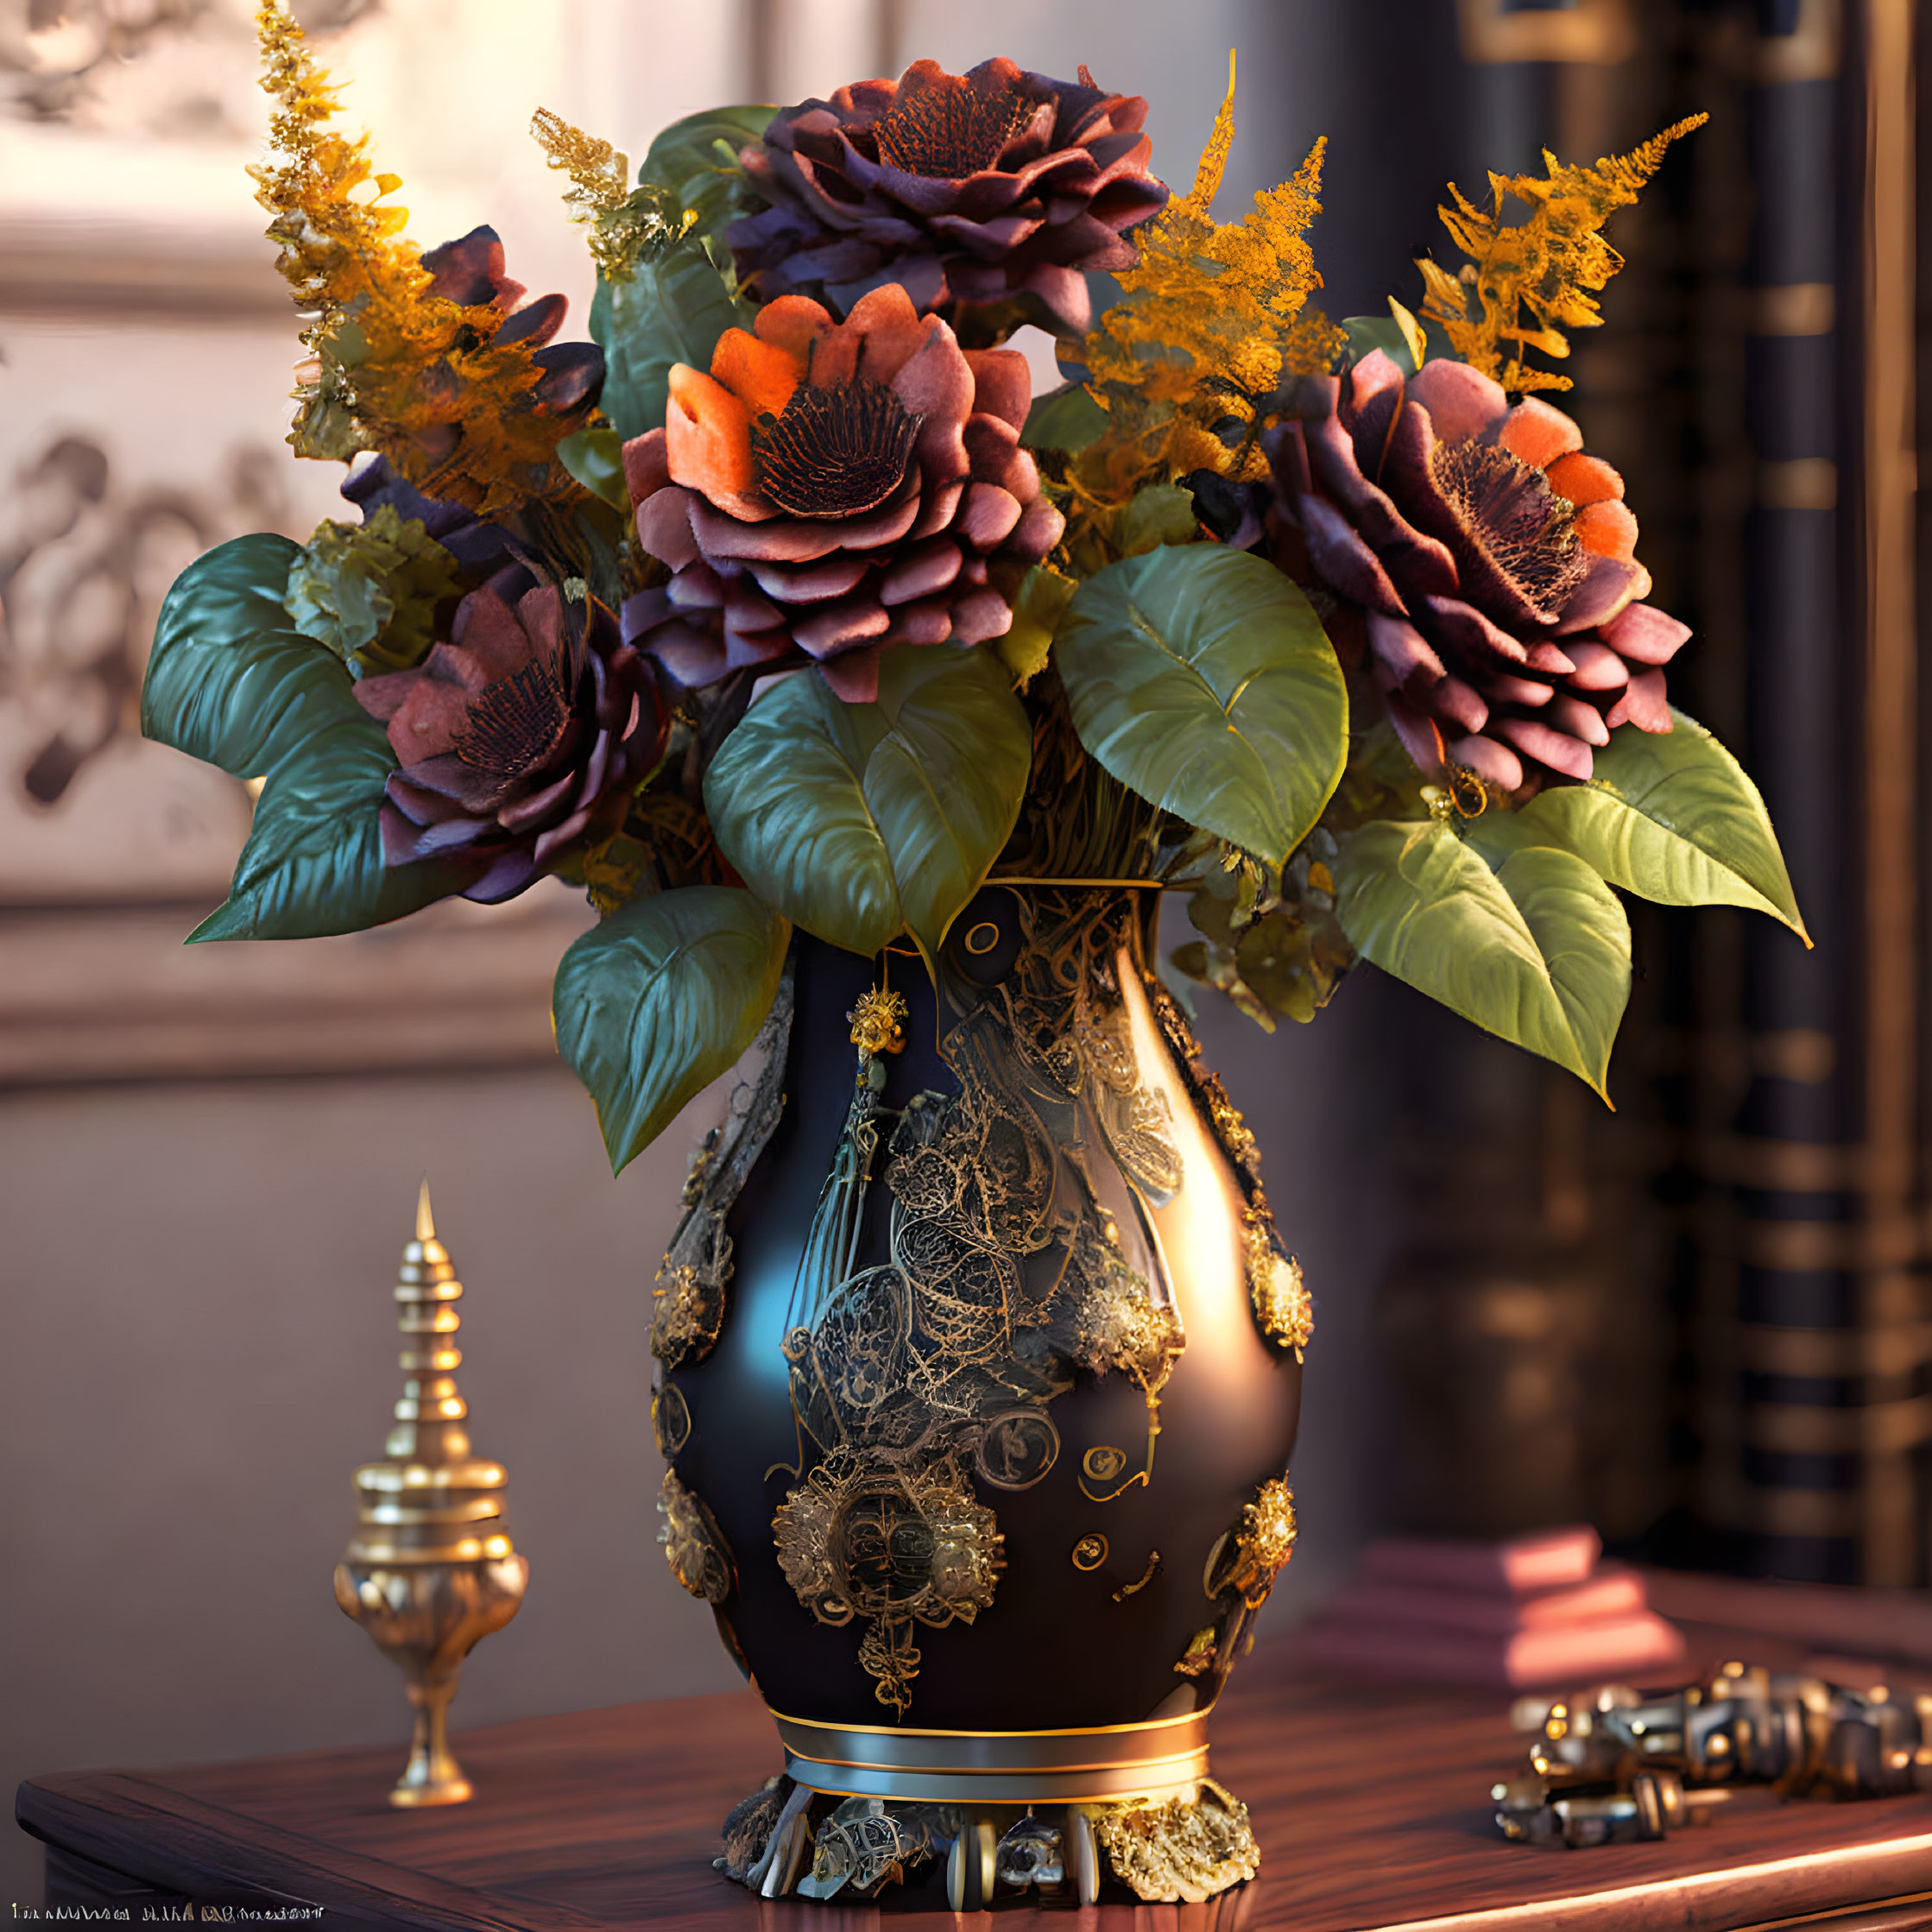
(525, 730)
(831, 488)
(963, 188)
(1494, 563)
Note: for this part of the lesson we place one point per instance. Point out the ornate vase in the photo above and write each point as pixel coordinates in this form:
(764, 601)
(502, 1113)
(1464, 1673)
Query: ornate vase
(979, 1373)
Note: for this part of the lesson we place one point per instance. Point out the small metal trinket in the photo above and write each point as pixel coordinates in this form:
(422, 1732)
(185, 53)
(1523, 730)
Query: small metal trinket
(1612, 1764)
(429, 1572)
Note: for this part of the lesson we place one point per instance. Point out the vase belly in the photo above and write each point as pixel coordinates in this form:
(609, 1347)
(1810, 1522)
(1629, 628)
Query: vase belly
(949, 1485)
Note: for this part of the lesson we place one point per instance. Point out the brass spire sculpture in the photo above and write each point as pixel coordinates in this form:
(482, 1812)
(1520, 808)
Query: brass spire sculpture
(429, 1572)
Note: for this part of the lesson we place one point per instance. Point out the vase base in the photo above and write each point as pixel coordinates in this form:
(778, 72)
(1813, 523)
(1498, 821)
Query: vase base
(787, 1839)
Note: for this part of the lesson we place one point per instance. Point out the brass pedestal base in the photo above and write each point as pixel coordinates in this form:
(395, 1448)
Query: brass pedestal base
(788, 1839)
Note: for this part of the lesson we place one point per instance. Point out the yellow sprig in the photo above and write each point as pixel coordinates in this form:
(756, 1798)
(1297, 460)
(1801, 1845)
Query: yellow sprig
(392, 368)
(1536, 278)
(1216, 319)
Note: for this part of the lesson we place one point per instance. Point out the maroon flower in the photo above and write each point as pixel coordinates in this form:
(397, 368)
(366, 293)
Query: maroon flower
(1492, 560)
(525, 730)
(831, 488)
(963, 188)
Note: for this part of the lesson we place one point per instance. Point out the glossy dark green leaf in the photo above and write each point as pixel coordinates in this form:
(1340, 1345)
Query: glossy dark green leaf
(312, 864)
(858, 821)
(223, 683)
(596, 458)
(671, 307)
(1069, 419)
(659, 998)
(1537, 951)
(1200, 677)
(697, 159)
(1671, 817)
(229, 682)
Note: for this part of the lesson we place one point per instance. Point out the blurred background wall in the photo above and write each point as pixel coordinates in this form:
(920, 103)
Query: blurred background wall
(1699, 1322)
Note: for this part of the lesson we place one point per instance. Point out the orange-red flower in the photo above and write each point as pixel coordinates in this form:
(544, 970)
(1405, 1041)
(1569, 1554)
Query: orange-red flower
(523, 732)
(1495, 561)
(829, 488)
(963, 188)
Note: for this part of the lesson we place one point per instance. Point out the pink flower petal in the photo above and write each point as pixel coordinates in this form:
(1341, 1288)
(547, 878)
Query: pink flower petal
(827, 632)
(1644, 704)
(988, 514)
(1644, 634)
(1496, 766)
(646, 465)
(1560, 752)
(1580, 719)
(1462, 401)
(920, 572)
(1597, 667)
(831, 576)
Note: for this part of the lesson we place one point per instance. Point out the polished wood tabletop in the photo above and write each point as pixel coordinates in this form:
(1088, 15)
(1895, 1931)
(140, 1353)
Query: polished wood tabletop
(1369, 1802)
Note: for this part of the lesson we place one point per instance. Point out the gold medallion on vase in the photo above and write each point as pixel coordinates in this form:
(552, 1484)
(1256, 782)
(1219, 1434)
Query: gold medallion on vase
(694, 1546)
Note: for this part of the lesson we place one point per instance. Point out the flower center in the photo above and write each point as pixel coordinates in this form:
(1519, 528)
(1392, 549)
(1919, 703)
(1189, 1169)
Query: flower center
(949, 130)
(835, 452)
(514, 725)
(1508, 510)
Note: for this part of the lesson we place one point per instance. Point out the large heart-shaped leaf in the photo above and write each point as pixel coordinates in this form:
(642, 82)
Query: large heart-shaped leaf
(1200, 677)
(660, 999)
(697, 159)
(229, 682)
(1671, 817)
(313, 861)
(671, 308)
(858, 820)
(1537, 951)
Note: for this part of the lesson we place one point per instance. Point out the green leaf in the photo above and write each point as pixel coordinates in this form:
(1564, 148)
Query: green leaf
(696, 159)
(370, 590)
(671, 307)
(1200, 677)
(1160, 514)
(313, 861)
(1388, 333)
(596, 458)
(228, 681)
(1041, 602)
(1070, 419)
(858, 820)
(659, 998)
(1536, 952)
(1671, 817)
(209, 691)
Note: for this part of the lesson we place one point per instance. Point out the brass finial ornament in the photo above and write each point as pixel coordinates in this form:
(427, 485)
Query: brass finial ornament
(429, 1572)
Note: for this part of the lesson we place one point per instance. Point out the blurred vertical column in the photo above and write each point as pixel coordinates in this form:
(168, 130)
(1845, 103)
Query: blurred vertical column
(1811, 1336)
(803, 48)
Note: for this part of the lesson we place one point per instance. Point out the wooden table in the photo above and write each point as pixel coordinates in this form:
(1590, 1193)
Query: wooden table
(1369, 1802)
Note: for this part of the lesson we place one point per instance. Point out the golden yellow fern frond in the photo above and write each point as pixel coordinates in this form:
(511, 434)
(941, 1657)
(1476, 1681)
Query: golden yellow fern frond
(393, 366)
(1216, 318)
(1533, 279)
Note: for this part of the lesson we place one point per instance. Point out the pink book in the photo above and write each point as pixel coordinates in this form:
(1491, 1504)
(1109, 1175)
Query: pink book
(1541, 1561)
(1641, 1647)
(1615, 1591)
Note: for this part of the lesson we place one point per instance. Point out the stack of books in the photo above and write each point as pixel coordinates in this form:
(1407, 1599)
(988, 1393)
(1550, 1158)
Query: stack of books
(1539, 1610)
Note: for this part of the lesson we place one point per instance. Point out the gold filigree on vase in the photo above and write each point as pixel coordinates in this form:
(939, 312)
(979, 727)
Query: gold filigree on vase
(430, 1572)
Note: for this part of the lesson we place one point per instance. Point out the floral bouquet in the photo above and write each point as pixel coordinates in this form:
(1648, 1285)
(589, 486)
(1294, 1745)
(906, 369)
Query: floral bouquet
(786, 603)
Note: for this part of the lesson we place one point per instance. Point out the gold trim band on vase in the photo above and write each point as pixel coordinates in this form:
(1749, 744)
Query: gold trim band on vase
(1163, 1758)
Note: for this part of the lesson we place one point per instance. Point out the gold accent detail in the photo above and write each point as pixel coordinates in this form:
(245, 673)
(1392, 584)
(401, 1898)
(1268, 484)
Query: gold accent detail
(1090, 1552)
(1103, 1463)
(1142, 1581)
(688, 1308)
(670, 1420)
(892, 1544)
(429, 1572)
(1180, 1850)
(1283, 1305)
(693, 1281)
(694, 1546)
(990, 929)
(1161, 1758)
(878, 1023)
(1249, 1557)
(1199, 1655)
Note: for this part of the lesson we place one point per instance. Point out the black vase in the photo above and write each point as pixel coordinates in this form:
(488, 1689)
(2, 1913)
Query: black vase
(979, 1373)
